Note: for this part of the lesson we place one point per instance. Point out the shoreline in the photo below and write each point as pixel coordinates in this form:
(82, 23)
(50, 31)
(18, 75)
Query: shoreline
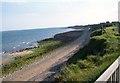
(23, 52)
(29, 38)
(20, 53)
(37, 42)
(6, 57)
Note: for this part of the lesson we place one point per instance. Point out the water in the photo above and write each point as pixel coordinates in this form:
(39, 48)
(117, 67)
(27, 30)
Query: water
(16, 40)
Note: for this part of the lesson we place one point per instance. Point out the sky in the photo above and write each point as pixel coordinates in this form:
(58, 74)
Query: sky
(31, 14)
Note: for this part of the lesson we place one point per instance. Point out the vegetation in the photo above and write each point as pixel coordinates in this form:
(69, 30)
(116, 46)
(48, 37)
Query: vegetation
(45, 47)
(92, 60)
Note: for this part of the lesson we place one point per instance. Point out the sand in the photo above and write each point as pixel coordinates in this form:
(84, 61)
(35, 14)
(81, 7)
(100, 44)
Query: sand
(20, 53)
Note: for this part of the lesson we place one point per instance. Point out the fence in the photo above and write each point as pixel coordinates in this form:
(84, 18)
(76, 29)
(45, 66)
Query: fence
(112, 74)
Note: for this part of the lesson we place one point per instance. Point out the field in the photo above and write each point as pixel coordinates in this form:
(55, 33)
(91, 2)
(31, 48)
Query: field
(92, 60)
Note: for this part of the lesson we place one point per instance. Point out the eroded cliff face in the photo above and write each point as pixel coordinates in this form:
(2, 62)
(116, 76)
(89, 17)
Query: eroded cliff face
(68, 36)
(65, 37)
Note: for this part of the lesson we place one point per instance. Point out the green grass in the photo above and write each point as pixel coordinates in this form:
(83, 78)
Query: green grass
(44, 49)
(92, 60)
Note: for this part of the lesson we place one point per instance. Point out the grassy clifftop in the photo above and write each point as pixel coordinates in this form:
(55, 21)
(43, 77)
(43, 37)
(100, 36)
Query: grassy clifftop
(92, 60)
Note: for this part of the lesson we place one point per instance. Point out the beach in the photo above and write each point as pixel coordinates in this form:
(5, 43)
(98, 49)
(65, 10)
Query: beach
(6, 57)
(20, 53)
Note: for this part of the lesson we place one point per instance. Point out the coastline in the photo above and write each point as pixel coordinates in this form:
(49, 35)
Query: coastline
(70, 35)
(20, 39)
(56, 54)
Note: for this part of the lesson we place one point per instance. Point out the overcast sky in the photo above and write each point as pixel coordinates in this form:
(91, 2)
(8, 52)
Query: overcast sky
(28, 14)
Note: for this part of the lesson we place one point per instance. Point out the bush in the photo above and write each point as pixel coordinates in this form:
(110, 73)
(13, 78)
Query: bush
(96, 33)
(85, 64)
(95, 59)
(75, 68)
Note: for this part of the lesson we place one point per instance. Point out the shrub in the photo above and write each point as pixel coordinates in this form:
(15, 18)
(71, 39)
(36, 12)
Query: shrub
(85, 64)
(95, 59)
(75, 68)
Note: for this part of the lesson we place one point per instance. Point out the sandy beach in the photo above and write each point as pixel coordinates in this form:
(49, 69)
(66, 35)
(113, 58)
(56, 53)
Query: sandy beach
(22, 53)
(9, 56)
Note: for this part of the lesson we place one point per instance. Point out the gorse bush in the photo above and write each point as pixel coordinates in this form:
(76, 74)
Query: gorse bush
(74, 68)
(85, 64)
(95, 59)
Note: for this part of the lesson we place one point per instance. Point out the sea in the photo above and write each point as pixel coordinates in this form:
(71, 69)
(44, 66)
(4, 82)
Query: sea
(16, 40)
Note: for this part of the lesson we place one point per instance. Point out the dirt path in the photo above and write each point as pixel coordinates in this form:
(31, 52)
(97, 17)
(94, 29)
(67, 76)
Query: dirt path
(40, 69)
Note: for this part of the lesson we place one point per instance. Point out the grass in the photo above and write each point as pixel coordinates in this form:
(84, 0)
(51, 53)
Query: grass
(44, 49)
(92, 60)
